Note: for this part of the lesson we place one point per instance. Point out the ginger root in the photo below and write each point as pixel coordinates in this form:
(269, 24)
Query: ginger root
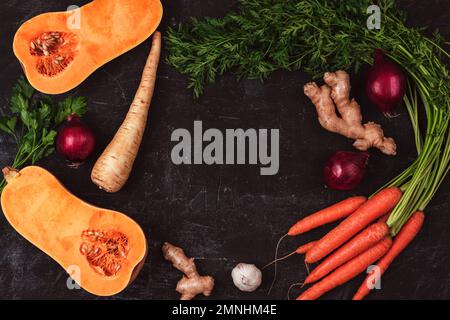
(191, 284)
(334, 94)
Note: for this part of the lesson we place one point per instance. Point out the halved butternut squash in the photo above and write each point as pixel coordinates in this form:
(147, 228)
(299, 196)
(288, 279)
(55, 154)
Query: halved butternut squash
(59, 50)
(106, 247)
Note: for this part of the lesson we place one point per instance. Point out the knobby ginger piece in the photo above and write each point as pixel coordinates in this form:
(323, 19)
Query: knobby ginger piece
(191, 284)
(335, 94)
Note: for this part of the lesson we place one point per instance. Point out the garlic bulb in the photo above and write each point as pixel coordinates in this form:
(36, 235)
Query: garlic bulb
(246, 277)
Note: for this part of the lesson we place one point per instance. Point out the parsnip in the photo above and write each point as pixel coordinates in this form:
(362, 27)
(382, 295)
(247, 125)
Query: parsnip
(112, 169)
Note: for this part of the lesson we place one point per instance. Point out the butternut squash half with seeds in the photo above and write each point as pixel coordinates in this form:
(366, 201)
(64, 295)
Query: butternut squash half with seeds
(103, 250)
(59, 50)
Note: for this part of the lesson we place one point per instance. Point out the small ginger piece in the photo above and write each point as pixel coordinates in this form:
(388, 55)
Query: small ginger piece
(335, 94)
(191, 284)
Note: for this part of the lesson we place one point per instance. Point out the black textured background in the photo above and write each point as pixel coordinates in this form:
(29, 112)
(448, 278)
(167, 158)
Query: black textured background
(221, 215)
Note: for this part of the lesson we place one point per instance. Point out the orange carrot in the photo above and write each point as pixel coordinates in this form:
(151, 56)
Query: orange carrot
(401, 241)
(360, 243)
(300, 250)
(333, 213)
(377, 206)
(384, 218)
(304, 248)
(347, 271)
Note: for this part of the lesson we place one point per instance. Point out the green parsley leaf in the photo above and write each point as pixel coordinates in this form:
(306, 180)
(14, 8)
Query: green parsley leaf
(69, 106)
(8, 124)
(37, 117)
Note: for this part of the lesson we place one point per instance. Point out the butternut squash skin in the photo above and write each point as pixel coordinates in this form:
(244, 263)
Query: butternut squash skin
(46, 214)
(107, 29)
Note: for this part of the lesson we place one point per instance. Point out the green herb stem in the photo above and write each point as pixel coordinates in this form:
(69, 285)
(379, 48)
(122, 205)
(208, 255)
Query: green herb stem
(33, 122)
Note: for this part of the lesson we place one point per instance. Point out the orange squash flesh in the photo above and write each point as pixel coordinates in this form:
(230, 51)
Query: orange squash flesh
(107, 29)
(46, 214)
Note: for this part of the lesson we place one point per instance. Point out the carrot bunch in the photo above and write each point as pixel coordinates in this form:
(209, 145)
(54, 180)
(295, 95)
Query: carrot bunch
(360, 240)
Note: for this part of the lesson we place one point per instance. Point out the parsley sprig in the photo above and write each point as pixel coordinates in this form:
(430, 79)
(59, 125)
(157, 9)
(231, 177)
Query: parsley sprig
(33, 122)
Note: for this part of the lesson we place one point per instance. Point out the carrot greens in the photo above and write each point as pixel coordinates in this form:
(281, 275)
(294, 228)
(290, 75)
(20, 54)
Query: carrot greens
(316, 36)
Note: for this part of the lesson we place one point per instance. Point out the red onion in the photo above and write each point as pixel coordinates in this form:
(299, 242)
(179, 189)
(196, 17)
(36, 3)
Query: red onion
(344, 170)
(385, 85)
(75, 140)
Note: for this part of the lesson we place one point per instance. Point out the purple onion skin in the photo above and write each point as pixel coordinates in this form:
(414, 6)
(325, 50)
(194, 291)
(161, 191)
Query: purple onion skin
(75, 140)
(344, 170)
(386, 84)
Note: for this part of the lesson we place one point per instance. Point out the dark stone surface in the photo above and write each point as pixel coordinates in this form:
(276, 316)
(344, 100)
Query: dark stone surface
(221, 215)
